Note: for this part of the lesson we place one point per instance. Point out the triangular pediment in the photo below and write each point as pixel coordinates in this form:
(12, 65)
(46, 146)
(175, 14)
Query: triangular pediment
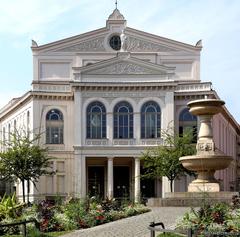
(98, 41)
(124, 64)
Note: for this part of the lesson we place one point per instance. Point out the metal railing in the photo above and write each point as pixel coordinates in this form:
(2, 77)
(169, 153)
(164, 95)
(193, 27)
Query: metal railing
(24, 225)
(159, 227)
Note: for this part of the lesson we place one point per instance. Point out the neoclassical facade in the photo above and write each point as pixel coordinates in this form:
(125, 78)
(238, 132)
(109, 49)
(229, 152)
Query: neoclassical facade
(101, 98)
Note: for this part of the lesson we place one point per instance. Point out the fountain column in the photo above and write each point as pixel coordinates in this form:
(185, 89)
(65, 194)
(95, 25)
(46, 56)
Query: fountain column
(208, 159)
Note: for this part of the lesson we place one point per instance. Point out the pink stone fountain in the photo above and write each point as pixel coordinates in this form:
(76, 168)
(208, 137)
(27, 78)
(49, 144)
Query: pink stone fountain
(208, 158)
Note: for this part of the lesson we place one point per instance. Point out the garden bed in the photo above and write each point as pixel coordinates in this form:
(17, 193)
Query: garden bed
(220, 219)
(65, 216)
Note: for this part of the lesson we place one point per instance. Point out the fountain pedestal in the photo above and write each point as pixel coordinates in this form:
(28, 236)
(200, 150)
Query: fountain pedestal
(208, 159)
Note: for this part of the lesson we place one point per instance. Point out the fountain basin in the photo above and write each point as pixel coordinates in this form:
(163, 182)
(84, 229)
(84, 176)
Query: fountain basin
(205, 107)
(206, 162)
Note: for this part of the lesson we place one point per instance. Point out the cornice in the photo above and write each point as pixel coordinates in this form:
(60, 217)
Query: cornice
(173, 43)
(52, 96)
(78, 86)
(71, 39)
(12, 107)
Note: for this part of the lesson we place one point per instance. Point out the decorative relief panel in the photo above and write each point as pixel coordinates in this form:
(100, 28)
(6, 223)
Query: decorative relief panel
(52, 88)
(123, 68)
(114, 95)
(95, 45)
(205, 146)
(139, 45)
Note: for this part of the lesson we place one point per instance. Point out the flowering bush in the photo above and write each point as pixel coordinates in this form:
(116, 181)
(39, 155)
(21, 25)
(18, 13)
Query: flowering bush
(75, 214)
(216, 219)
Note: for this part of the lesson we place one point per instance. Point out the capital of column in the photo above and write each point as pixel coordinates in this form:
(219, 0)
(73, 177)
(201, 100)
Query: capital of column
(110, 158)
(137, 159)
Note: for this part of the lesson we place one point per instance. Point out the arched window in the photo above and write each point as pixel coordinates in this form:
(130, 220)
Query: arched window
(54, 127)
(9, 132)
(123, 120)
(4, 135)
(188, 121)
(96, 120)
(150, 120)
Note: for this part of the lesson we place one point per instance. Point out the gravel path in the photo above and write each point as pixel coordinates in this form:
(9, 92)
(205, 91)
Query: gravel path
(135, 226)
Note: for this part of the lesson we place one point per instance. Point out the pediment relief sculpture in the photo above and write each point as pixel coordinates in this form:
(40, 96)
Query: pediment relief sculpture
(134, 44)
(124, 68)
(96, 45)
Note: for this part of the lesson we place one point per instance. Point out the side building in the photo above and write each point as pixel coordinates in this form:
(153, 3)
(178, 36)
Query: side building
(101, 98)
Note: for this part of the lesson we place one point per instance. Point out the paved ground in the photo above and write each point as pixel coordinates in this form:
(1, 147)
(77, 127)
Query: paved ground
(134, 226)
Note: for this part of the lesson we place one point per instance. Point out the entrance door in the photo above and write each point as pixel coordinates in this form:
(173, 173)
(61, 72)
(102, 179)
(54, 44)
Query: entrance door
(96, 181)
(121, 181)
(147, 187)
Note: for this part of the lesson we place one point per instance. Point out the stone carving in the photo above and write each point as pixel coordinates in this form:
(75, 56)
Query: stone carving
(95, 45)
(205, 147)
(123, 68)
(123, 38)
(139, 45)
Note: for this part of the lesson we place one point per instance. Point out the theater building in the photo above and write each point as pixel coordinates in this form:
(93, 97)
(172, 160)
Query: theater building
(101, 98)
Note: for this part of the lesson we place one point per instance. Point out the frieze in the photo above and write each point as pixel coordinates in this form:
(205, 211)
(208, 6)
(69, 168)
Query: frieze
(123, 68)
(114, 95)
(139, 45)
(96, 45)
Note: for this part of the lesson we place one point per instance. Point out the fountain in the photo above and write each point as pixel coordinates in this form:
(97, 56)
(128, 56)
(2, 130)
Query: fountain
(208, 158)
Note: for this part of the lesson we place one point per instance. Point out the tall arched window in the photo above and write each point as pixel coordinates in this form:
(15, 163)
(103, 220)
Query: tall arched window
(123, 120)
(188, 121)
(9, 132)
(150, 120)
(4, 135)
(54, 127)
(96, 120)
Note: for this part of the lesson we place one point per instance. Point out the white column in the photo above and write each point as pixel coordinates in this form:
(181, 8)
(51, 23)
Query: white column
(166, 186)
(110, 178)
(137, 191)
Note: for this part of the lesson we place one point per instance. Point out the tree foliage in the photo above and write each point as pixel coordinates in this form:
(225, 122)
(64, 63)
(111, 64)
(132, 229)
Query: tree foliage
(23, 159)
(164, 159)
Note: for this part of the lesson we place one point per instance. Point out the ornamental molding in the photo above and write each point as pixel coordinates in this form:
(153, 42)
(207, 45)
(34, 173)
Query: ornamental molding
(121, 68)
(134, 44)
(114, 95)
(94, 45)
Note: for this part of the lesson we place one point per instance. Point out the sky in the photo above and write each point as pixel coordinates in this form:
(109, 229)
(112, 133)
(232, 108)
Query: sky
(216, 22)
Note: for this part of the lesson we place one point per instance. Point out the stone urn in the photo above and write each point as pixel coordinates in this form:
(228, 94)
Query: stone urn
(208, 158)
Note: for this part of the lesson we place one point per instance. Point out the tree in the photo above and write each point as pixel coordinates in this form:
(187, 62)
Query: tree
(23, 159)
(164, 160)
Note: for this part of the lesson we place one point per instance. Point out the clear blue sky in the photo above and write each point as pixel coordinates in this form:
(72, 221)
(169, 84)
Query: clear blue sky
(216, 22)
